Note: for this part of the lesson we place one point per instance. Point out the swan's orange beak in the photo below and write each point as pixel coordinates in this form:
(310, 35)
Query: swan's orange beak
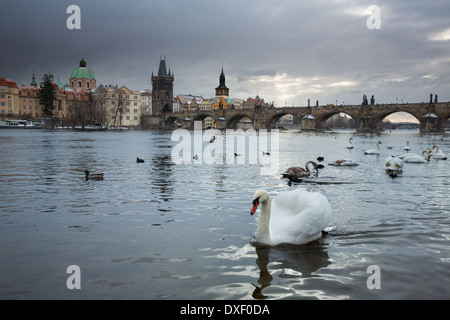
(255, 206)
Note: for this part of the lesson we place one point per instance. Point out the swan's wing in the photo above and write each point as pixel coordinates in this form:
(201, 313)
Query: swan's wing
(398, 162)
(349, 163)
(299, 216)
(285, 204)
(295, 170)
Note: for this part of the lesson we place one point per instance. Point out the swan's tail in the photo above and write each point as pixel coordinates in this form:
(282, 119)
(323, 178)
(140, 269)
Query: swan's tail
(328, 229)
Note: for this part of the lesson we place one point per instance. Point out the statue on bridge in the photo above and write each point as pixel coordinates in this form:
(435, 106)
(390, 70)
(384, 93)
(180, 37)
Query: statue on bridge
(364, 103)
(372, 100)
(435, 98)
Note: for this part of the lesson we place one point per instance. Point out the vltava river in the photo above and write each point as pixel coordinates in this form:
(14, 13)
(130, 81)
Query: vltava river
(161, 230)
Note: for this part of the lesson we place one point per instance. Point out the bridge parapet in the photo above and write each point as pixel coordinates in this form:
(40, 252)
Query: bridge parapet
(432, 117)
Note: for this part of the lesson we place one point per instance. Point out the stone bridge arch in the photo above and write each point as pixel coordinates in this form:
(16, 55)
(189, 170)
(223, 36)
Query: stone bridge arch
(322, 118)
(442, 120)
(201, 117)
(378, 119)
(271, 123)
(233, 121)
(171, 122)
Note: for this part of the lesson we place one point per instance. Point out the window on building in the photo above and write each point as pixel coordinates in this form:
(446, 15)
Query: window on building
(79, 84)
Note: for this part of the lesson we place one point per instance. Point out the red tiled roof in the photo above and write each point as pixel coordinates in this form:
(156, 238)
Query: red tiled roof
(7, 82)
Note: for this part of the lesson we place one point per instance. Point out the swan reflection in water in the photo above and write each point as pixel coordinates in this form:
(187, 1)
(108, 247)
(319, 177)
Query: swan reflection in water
(305, 260)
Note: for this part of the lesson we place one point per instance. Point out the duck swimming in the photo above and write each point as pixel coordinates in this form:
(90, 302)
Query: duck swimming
(93, 176)
(138, 160)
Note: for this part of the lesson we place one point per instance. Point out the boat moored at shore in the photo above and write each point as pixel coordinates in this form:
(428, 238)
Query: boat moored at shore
(20, 124)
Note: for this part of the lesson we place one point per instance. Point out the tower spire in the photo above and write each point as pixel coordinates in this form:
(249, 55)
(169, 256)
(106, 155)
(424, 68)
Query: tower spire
(162, 72)
(222, 89)
(33, 80)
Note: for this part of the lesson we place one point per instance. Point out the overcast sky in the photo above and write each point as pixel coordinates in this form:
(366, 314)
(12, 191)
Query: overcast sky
(286, 51)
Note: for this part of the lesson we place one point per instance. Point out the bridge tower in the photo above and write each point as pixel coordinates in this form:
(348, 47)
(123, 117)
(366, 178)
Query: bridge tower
(222, 94)
(162, 91)
(222, 91)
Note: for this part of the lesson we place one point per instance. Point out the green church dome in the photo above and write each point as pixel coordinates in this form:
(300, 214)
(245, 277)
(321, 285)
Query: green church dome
(82, 72)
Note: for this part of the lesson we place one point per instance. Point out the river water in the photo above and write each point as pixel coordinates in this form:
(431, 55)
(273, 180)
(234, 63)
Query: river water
(160, 230)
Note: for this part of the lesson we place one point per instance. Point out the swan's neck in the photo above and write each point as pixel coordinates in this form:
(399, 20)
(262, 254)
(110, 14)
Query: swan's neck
(262, 231)
(308, 163)
(378, 146)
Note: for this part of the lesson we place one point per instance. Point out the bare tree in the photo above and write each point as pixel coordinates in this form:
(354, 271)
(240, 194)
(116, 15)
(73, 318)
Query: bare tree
(79, 113)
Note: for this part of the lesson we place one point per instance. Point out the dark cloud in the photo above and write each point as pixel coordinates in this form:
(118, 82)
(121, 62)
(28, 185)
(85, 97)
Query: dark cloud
(286, 51)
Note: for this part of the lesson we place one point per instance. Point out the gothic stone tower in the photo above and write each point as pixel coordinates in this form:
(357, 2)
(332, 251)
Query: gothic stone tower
(222, 91)
(162, 94)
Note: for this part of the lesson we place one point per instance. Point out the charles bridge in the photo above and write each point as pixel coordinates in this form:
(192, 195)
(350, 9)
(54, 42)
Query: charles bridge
(432, 116)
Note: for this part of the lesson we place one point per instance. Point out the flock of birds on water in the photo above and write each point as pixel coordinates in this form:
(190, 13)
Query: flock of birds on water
(394, 164)
(298, 216)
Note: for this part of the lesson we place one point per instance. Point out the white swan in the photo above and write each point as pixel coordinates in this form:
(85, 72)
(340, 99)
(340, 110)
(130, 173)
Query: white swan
(394, 164)
(299, 172)
(344, 163)
(407, 147)
(374, 151)
(415, 158)
(438, 154)
(295, 217)
(350, 145)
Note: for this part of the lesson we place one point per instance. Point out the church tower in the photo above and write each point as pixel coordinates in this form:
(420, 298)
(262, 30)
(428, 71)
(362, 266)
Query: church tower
(222, 91)
(162, 92)
(222, 94)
